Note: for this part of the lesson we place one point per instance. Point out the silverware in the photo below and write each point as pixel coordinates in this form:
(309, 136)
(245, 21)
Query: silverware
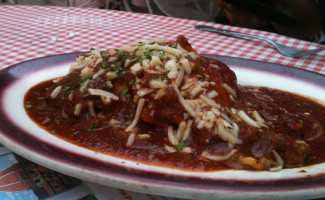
(284, 50)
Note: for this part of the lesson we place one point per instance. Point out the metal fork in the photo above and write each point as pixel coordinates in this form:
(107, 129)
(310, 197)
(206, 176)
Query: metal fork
(284, 50)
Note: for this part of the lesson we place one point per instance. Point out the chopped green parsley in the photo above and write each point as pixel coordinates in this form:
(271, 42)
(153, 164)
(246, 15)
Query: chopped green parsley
(82, 80)
(85, 90)
(104, 55)
(122, 55)
(147, 54)
(131, 82)
(202, 79)
(93, 125)
(124, 92)
(180, 146)
(66, 89)
(156, 77)
(164, 75)
(161, 54)
(101, 65)
(118, 69)
(178, 57)
(140, 43)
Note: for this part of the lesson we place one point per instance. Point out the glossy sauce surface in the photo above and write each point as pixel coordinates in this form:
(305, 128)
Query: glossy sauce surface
(289, 118)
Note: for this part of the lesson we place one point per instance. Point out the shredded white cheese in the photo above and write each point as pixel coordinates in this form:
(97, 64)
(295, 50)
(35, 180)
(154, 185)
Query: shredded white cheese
(181, 99)
(278, 160)
(172, 136)
(130, 140)
(103, 93)
(247, 119)
(210, 101)
(172, 67)
(56, 92)
(181, 130)
(187, 131)
(218, 157)
(155, 60)
(137, 115)
(77, 109)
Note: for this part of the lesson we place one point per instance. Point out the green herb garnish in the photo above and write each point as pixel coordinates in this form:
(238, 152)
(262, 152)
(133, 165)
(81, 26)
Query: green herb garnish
(164, 75)
(131, 82)
(128, 122)
(156, 77)
(85, 90)
(124, 92)
(174, 45)
(118, 69)
(122, 55)
(28, 106)
(104, 55)
(82, 80)
(101, 65)
(180, 146)
(66, 89)
(178, 57)
(52, 131)
(147, 54)
(57, 121)
(93, 125)
(161, 54)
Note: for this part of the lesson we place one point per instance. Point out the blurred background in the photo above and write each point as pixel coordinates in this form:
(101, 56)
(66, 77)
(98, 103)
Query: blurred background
(204, 10)
(309, 15)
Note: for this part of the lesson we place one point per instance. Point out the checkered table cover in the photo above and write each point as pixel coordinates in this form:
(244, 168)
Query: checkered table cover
(28, 32)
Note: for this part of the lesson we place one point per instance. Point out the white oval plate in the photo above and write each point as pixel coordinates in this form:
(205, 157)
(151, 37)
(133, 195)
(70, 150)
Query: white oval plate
(23, 136)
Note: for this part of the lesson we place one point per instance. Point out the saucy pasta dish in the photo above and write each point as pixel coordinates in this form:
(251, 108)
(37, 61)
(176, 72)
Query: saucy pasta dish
(162, 103)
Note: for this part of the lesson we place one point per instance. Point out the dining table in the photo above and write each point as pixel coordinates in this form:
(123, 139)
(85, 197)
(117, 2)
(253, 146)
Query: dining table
(33, 32)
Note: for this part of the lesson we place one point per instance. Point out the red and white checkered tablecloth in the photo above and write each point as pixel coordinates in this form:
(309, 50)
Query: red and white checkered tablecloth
(28, 32)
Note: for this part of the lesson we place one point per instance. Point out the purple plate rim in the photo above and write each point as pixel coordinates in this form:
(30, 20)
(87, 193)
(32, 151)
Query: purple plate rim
(50, 151)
